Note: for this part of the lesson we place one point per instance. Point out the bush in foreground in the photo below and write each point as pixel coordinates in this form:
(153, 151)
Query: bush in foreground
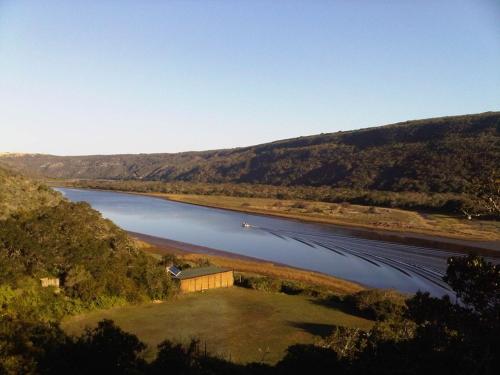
(430, 335)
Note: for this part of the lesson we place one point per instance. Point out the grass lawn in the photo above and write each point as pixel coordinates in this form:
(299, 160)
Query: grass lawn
(245, 325)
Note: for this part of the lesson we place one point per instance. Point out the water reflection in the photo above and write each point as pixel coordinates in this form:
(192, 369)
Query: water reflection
(328, 249)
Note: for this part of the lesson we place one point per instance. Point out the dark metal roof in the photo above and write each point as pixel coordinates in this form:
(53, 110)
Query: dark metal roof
(189, 273)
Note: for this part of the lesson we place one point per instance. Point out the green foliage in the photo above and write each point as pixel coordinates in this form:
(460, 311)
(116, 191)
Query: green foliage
(31, 302)
(346, 342)
(97, 264)
(275, 285)
(440, 155)
(310, 359)
(182, 264)
(109, 350)
(445, 202)
(431, 336)
(262, 283)
(177, 358)
(38, 348)
(377, 304)
(21, 195)
(90, 255)
(476, 282)
(25, 347)
(153, 279)
(99, 267)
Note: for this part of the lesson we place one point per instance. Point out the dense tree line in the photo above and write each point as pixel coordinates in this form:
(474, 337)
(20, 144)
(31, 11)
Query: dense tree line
(18, 194)
(424, 335)
(441, 155)
(95, 261)
(439, 202)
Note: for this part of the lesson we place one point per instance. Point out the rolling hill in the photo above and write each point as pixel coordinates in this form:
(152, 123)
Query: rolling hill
(433, 155)
(44, 235)
(20, 195)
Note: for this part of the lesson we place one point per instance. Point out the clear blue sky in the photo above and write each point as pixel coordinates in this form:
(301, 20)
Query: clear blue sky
(86, 77)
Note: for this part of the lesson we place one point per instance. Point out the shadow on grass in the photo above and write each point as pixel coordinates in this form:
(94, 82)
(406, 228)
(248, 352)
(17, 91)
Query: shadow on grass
(337, 303)
(316, 329)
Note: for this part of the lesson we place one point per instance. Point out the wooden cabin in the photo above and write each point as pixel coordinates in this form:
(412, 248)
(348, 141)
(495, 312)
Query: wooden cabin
(202, 278)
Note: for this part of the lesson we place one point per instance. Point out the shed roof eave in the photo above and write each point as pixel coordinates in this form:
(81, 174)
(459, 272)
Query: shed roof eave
(191, 273)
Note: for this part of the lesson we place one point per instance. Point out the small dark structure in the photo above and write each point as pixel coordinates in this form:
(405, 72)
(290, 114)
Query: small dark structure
(202, 278)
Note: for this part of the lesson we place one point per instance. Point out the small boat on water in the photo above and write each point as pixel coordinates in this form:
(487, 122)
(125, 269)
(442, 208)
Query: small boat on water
(245, 225)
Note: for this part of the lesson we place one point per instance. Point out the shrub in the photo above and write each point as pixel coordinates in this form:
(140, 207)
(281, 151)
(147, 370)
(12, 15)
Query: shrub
(378, 304)
(203, 262)
(262, 283)
(269, 284)
(290, 287)
(299, 205)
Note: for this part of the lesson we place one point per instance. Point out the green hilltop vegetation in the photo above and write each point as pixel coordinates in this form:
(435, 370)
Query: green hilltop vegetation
(447, 164)
(440, 155)
(18, 194)
(44, 235)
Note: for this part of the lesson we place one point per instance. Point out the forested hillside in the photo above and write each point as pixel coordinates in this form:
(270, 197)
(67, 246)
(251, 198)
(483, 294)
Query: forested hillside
(17, 194)
(435, 155)
(44, 235)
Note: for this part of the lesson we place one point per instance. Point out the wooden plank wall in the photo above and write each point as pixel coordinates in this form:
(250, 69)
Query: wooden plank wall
(217, 280)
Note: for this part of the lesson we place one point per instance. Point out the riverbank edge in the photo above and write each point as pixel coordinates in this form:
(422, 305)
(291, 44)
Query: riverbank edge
(243, 263)
(405, 233)
(451, 243)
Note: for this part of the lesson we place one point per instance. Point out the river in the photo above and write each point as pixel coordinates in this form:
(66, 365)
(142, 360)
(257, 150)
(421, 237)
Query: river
(328, 249)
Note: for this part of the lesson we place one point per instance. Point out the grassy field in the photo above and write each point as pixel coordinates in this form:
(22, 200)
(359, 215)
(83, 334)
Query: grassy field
(352, 215)
(243, 324)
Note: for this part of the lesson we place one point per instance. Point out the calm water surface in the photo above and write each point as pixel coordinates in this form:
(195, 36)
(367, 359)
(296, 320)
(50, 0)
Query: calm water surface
(328, 249)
